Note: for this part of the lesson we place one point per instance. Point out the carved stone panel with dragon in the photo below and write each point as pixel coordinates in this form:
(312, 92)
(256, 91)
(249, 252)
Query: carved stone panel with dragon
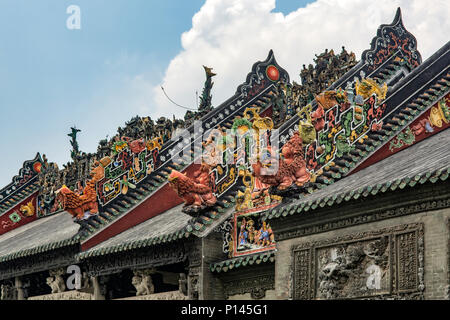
(386, 263)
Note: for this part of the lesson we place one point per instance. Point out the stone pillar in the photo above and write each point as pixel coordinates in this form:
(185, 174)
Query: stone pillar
(193, 283)
(194, 254)
(8, 291)
(202, 284)
(98, 292)
(211, 286)
(19, 289)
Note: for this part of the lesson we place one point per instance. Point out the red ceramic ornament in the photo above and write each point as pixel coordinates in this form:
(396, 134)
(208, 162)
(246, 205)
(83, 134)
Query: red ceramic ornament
(272, 73)
(37, 167)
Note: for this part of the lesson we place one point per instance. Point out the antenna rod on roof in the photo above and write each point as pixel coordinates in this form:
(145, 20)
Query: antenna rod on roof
(175, 102)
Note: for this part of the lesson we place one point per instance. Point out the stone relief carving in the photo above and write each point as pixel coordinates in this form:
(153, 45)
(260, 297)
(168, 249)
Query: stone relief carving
(301, 272)
(68, 295)
(56, 281)
(193, 283)
(353, 270)
(183, 285)
(256, 286)
(8, 292)
(386, 263)
(170, 295)
(147, 257)
(142, 281)
(193, 253)
(194, 286)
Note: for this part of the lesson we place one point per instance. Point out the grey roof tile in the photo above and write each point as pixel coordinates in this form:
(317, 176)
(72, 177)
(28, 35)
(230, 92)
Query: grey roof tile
(38, 236)
(160, 228)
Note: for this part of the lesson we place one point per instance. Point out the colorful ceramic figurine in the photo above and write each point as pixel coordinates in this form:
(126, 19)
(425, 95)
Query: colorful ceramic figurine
(136, 146)
(292, 166)
(78, 205)
(243, 234)
(196, 192)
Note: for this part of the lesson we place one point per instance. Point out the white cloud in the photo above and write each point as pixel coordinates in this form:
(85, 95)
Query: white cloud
(230, 35)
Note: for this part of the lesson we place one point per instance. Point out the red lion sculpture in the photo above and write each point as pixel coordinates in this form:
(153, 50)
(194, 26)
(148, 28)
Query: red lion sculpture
(292, 166)
(196, 192)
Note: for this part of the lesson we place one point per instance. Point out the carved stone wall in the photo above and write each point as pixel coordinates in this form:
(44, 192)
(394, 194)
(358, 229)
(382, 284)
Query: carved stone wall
(193, 283)
(142, 258)
(68, 295)
(171, 295)
(194, 256)
(428, 205)
(248, 283)
(257, 286)
(358, 218)
(387, 263)
(8, 291)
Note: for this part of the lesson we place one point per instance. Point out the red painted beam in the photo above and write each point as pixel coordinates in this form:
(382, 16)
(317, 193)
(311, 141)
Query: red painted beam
(7, 224)
(417, 128)
(161, 201)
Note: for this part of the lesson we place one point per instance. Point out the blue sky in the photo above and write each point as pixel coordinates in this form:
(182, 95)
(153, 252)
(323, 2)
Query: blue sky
(50, 76)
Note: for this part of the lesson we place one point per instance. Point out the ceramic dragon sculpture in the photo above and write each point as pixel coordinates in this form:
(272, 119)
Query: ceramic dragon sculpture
(78, 205)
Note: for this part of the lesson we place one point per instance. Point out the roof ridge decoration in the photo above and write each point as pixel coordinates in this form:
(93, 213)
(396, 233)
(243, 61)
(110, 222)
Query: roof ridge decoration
(350, 119)
(430, 122)
(260, 83)
(251, 92)
(261, 72)
(371, 190)
(264, 76)
(22, 184)
(390, 37)
(355, 102)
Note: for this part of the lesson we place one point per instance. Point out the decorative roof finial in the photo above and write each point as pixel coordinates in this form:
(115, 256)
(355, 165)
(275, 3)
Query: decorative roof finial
(205, 99)
(75, 151)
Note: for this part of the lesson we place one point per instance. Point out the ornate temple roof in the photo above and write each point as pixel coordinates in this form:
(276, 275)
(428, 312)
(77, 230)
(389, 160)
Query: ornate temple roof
(255, 91)
(426, 161)
(163, 228)
(24, 184)
(171, 226)
(150, 214)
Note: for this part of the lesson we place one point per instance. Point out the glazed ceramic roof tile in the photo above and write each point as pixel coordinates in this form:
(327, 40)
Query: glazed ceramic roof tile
(239, 262)
(170, 226)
